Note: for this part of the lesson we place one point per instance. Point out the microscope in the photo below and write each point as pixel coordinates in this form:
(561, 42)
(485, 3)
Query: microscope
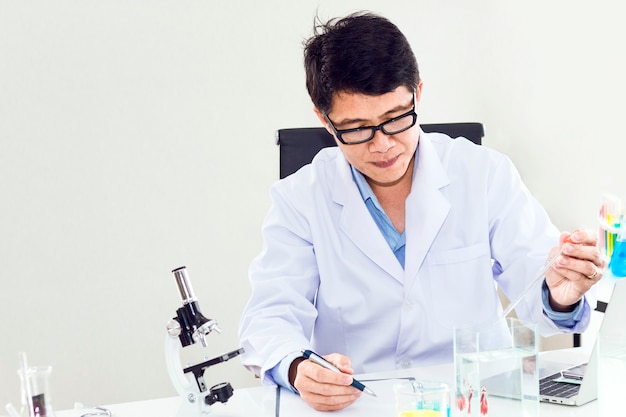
(187, 328)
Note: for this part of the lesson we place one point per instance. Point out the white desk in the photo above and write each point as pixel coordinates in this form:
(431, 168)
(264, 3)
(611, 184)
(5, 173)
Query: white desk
(261, 401)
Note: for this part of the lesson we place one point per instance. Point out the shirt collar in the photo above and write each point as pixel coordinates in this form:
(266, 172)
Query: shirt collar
(364, 187)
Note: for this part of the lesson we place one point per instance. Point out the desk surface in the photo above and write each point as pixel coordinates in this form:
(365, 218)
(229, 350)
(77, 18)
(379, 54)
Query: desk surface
(261, 401)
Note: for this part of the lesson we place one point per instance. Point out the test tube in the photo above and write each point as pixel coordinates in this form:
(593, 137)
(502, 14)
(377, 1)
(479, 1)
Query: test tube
(610, 218)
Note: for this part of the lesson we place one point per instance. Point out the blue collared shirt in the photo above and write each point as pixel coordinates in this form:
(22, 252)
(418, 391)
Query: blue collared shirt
(395, 239)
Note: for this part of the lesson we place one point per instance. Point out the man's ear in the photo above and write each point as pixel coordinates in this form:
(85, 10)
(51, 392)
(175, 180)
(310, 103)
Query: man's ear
(323, 120)
(326, 125)
(418, 91)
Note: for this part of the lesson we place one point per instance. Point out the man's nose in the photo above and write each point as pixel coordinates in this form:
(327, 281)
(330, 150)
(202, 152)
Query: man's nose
(381, 142)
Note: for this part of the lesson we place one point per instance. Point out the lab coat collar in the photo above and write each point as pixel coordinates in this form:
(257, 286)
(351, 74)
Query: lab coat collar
(427, 209)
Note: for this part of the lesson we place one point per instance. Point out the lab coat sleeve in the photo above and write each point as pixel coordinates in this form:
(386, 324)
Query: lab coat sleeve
(279, 317)
(520, 225)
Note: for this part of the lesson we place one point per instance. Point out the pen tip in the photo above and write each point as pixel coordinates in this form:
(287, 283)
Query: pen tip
(370, 392)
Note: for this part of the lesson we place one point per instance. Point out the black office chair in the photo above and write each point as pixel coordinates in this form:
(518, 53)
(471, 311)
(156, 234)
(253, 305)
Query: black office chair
(299, 146)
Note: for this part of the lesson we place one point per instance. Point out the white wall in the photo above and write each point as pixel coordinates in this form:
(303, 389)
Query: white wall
(137, 136)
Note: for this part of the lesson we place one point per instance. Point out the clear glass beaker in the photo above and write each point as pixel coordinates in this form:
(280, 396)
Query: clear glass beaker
(422, 399)
(496, 371)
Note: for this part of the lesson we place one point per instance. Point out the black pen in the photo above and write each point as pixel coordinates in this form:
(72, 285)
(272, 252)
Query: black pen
(312, 356)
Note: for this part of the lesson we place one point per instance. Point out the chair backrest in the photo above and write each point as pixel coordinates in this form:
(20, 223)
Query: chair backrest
(298, 146)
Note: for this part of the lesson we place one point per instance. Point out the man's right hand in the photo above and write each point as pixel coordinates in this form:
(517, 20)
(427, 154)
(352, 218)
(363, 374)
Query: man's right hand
(321, 388)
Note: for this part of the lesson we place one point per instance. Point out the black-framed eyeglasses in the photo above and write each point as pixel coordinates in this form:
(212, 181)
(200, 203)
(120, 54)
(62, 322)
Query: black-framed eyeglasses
(366, 133)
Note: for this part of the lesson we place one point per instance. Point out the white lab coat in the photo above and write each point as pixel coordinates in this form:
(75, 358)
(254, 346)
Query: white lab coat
(326, 278)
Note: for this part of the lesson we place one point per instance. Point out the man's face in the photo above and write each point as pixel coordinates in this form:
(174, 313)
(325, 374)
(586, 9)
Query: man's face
(385, 159)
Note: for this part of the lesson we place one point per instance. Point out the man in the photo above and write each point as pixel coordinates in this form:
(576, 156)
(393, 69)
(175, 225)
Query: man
(376, 250)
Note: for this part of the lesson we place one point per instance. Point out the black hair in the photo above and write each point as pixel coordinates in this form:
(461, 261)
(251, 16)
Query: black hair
(360, 53)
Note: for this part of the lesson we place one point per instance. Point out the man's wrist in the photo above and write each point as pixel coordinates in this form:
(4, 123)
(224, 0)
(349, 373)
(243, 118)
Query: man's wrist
(293, 370)
(560, 308)
(567, 320)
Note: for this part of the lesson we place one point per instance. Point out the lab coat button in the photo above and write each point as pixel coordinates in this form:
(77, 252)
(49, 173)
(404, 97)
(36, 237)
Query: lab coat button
(408, 305)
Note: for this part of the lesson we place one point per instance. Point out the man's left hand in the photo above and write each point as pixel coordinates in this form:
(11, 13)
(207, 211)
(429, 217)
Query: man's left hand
(577, 269)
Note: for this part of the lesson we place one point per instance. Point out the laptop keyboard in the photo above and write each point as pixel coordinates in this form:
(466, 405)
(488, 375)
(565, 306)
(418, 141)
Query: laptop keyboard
(557, 389)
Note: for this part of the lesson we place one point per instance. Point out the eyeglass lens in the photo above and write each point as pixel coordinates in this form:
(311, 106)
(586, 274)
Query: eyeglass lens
(390, 127)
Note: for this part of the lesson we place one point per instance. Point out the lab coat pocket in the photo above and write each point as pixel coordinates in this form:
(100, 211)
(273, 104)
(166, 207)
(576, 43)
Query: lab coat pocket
(454, 256)
(459, 285)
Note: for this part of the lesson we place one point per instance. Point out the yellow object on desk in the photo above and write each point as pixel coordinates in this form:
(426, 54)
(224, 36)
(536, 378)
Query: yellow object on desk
(422, 399)
(421, 413)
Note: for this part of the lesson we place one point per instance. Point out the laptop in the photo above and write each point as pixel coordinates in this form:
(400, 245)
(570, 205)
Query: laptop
(578, 385)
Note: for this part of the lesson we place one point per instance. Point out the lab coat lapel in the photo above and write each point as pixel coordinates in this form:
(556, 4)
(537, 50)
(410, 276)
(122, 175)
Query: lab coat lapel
(427, 207)
(357, 223)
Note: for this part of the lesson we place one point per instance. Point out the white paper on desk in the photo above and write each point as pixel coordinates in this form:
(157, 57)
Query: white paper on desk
(291, 405)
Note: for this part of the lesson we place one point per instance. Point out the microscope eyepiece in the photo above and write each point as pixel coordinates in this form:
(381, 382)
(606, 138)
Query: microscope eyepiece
(184, 285)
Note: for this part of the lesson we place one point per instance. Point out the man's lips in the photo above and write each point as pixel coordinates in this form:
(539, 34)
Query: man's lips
(387, 163)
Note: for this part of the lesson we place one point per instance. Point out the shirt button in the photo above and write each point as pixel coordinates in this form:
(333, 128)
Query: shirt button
(408, 305)
(405, 363)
